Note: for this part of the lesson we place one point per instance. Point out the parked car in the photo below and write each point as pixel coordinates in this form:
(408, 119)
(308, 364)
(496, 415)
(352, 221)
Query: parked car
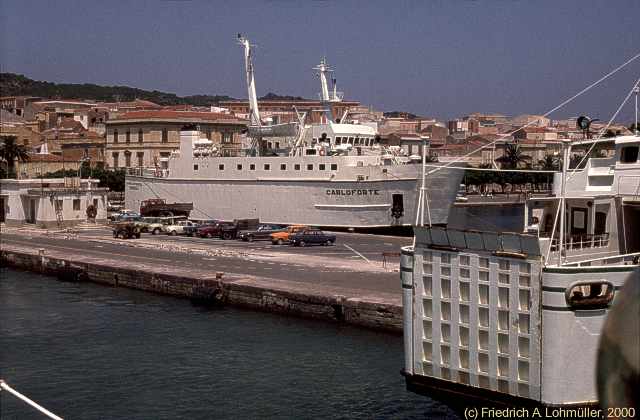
(125, 216)
(312, 237)
(213, 230)
(263, 233)
(177, 227)
(155, 225)
(227, 230)
(282, 237)
(126, 230)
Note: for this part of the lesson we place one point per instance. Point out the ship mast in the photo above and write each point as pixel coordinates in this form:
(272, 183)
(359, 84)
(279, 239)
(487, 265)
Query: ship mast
(327, 96)
(254, 113)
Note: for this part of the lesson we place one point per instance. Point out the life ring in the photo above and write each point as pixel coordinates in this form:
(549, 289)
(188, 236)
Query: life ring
(92, 212)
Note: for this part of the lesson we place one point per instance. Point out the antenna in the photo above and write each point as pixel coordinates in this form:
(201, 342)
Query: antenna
(636, 89)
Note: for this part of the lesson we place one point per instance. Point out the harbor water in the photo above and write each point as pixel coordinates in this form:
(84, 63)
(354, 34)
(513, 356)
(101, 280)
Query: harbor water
(86, 351)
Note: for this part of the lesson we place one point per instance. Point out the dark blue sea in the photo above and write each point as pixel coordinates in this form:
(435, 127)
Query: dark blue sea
(86, 351)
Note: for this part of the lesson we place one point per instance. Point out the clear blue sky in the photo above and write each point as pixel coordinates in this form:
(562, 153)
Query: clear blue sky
(440, 58)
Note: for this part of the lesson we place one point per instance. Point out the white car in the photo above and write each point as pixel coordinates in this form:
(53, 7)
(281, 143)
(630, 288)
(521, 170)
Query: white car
(177, 227)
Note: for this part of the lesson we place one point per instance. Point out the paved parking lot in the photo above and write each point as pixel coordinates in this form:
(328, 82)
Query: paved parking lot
(354, 262)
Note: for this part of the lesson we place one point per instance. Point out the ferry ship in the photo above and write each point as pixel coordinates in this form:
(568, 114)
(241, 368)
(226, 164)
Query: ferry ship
(332, 174)
(516, 318)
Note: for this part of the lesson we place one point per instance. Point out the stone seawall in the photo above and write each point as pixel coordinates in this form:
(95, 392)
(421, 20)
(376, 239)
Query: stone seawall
(257, 293)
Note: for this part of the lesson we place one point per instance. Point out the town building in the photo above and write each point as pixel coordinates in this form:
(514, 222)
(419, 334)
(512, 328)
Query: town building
(40, 164)
(147, 138)
(50, 203)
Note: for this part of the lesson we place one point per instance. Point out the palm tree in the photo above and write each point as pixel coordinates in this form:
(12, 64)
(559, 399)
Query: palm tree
(10, 151)
(512, 157)
(549, 163)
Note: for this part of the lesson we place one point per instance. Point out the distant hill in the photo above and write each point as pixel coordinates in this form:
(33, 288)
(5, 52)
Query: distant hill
(400, 114)
(17, 85)
(275, 97)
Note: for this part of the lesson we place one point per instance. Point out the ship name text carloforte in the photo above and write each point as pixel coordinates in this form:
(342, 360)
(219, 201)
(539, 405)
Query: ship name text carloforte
(354, 191)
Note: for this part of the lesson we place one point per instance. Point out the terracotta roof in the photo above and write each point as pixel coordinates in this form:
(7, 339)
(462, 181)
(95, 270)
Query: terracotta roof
(175, 115)
(48, 157)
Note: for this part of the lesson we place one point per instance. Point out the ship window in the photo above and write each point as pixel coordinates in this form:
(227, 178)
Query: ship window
(76, 204)
(590, 295)
(296, 166)
(338, 140)
(140, 136)
(629, 154)
(195, 166)
(165, 135)
(334, 166)
(310, 167)
(127, 136)
(221, 166)
(239, 167)
(277, 145)
(350, 140)
(252, 167)
(321, 166)
(283, 166)
(267, 167)
(115, 136)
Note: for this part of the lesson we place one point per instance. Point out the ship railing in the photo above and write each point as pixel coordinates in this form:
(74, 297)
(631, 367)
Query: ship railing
(621, 259)
(582, 241)
(5, 387)
(147, 172)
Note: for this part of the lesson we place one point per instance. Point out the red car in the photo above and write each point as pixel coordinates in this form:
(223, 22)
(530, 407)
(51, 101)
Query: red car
(214, 230)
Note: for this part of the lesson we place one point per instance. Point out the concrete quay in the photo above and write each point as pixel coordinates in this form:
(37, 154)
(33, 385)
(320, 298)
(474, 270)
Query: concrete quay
(285, 280)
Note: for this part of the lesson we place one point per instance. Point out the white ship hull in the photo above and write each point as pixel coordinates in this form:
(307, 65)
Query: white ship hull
(319, 202)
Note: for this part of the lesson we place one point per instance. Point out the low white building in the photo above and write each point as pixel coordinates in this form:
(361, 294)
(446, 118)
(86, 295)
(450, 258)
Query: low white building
(50, 203)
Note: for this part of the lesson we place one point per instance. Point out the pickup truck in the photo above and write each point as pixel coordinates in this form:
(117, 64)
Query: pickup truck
(263, 233)
(311, 237)
(282, 237)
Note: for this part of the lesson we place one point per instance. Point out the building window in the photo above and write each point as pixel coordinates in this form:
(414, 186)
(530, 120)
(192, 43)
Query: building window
(127, 159)
(116, 158)
(165, 135)
(252, 167)
(195, 166)
(267, 167)
(208, 133)
(140, 136)
(95, 203)
(127, 136)
(321, 167)
(76, 204)
(310, 167)
(239, 167)
(277, 145)
(338, 140)
(115, 136)
(59, 205)
(221, 167)
(334, 166)
(283, 166)
(140, 156)
(226, 137)
(269, 145)
(296, 166)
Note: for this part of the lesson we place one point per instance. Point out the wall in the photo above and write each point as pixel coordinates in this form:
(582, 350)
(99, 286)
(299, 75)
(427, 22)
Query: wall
(233, 291)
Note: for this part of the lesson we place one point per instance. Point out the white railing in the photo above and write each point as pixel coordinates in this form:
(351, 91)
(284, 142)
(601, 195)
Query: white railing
(584, 241)
(622, 259)
(5, 387)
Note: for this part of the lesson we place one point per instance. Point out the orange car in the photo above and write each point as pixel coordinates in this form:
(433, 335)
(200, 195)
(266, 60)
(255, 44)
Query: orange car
(280, 238)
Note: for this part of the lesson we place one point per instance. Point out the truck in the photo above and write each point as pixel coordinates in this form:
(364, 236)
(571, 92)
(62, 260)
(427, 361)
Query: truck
(158, 207)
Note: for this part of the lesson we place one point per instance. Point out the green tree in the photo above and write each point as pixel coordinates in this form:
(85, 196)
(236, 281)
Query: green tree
(513, 157)
(11, 151)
